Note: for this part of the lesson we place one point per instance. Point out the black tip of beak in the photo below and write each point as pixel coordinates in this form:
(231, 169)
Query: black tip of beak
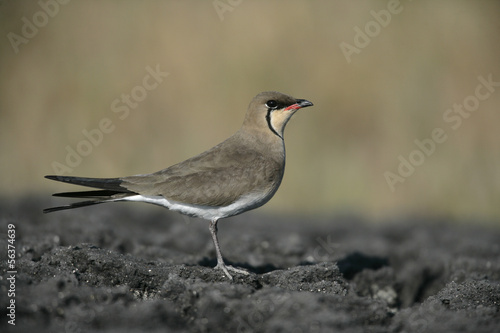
(303, 103)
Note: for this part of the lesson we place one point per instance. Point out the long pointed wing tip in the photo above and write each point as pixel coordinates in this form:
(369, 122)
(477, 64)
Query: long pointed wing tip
(73, 205)
(50, 210)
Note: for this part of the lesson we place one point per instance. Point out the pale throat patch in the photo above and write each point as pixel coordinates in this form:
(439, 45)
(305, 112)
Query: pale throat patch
(279, 120)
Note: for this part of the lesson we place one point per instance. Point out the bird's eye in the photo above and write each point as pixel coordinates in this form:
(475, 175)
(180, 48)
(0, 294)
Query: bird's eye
(272, 104)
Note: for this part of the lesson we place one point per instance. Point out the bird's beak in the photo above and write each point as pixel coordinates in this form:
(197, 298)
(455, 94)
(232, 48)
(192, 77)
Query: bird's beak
(300, 103)
(303, 103)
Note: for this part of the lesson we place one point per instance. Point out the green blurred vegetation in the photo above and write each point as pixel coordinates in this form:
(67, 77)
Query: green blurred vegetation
(367, 112)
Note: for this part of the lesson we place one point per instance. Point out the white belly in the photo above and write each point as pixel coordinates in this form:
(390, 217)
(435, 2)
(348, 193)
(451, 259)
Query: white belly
(206, 212)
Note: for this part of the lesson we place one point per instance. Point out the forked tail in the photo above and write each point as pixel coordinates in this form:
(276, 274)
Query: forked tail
(110, 190)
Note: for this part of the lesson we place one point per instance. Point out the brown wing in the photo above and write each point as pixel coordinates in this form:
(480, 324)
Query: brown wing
(218, 177)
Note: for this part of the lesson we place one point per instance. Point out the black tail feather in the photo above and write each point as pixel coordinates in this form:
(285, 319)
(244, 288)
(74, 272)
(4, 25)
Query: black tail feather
(106, 194)
(113, 184)
(73, 205)
(111, 190)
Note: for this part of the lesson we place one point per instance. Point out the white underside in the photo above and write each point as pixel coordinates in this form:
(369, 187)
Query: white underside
(206, 212)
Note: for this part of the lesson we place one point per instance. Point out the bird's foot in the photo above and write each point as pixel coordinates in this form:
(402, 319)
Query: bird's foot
(226, 268)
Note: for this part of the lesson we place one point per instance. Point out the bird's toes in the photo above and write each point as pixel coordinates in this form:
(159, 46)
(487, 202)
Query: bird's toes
(237, 270)
(224, 268)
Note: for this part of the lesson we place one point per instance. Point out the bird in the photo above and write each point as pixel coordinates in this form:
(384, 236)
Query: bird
(239, 174)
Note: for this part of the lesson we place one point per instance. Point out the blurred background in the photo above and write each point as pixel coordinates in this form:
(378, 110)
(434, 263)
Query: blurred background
(381, 74)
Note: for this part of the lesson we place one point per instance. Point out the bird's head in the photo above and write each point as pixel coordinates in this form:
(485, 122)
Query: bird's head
(271, 110)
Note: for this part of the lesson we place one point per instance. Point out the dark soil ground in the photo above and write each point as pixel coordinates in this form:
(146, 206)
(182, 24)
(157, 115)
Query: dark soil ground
(138, 268)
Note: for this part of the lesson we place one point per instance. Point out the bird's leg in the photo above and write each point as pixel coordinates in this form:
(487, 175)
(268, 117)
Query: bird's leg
(220, 261)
